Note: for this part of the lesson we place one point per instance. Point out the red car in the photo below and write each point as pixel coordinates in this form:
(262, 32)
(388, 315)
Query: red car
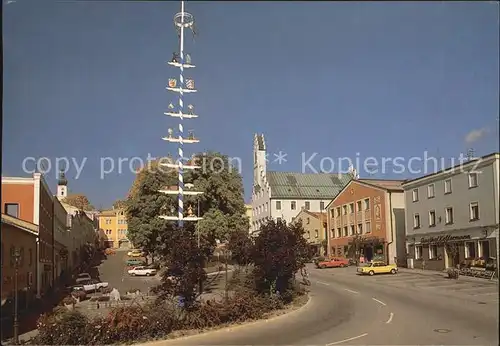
(334, 262)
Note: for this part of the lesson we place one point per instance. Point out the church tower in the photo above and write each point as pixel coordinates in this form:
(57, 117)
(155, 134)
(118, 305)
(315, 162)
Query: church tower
(62, 186)
(259, 160)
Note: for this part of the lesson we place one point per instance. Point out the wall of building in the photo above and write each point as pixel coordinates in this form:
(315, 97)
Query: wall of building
(113, 224)
(20, 193)
(375, 216)
(396, 227)
(46, 233)
(460, 199)
(61, 239)
(287, 213)
(261, 204)
(313, 228)
(15, 237)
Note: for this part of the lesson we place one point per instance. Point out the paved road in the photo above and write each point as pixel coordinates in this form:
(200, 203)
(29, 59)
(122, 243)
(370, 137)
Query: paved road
(405, 309)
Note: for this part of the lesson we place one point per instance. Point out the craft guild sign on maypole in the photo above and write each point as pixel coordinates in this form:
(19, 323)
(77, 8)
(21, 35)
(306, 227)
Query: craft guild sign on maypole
(182, 21)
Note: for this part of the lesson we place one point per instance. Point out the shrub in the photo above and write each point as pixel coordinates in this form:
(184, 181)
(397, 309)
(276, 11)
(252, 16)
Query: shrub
(69, 300)
(79, 295)
(126, 323)
(62, 328)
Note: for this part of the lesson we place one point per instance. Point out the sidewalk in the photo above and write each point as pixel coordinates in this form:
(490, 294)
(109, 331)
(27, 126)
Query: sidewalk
(443, 274)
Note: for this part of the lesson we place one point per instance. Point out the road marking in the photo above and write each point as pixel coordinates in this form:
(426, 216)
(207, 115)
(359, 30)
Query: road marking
(390, 318)
(346, 340)
(380, 302)
(323, 283)
(348, 290)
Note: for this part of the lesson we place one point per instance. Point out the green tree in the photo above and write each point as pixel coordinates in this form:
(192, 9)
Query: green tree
(120, 204)
(79, 201)
(280, 251)
(221, 204)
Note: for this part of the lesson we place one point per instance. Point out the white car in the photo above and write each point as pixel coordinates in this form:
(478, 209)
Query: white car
(93, 285)
(142, 271)
(82, 278)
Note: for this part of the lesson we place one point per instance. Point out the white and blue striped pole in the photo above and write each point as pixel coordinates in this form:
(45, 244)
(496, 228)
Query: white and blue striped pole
(181, 129)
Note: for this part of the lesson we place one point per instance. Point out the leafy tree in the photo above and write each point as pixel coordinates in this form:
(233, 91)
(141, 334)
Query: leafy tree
(120, 204)
(221, 204)
(241, 246)
(185, 264)
(280, 251)
(79, 201)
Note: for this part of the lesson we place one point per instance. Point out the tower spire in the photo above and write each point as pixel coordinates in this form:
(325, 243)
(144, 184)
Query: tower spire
(182, 21)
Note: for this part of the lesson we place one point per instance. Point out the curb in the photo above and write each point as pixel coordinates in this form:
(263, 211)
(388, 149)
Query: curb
(231, 328)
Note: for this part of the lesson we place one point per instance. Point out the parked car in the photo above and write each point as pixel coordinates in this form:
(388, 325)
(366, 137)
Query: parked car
(83, 277)
(94, 285)
(135, 253)
(335, 262)
(142, 271)
(377, 267)
(134, 262)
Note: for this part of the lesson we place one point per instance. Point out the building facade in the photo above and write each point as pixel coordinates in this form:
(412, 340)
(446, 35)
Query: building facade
(30, 199)
(281, 195)
(366, 221)
(62, 237)
(21, 235)
(114, 225)
(452, 216)
(314, 225)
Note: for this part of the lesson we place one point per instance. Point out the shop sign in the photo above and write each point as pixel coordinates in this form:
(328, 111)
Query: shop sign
(445, 238)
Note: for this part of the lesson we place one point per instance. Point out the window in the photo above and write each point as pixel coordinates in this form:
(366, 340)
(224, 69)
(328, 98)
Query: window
(470, 249)
(351, 230)
(358, 206)
(307, 205)
(339, 232)
(344, 209)
(367, 204)
(430, 191)
(12, 209)
(416, 221)
(360, 228)
(432, 218)
(418, 252)
(266, 206)
(368, 227)
(473, 181)
(293, 205)
(447, 186)
(345, 231)
(433, 251)
(308, 221)
(474, 211)
(351, 208)
(484, 249)
(415, 195)
(449, 215)
(321, 205)
(332, 213)
(332, 232)
(316, 233)
(338, 211)
(278, 205)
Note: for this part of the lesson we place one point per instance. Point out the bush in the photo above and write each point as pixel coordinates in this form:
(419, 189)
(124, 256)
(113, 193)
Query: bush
(63, 327)
(126, 323)
(69, 300)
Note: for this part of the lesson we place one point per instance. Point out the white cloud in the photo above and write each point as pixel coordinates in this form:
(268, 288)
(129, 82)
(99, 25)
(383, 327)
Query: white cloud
(476, 135)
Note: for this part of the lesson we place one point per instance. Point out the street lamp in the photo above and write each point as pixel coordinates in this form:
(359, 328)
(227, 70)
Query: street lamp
(16, 256)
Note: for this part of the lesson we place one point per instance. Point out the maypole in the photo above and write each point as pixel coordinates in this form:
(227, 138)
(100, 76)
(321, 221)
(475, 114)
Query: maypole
(182, 21)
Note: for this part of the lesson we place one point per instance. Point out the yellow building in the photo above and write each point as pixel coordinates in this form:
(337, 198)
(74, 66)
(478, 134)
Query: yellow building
(248, 212)
(314, 225)
(113, 224)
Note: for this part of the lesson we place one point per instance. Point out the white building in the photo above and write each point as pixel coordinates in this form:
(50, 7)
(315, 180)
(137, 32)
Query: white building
(281, 195)
(455, 207)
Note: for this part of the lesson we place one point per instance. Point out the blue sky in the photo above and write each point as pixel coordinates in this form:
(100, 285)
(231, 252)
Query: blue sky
(87, 79)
